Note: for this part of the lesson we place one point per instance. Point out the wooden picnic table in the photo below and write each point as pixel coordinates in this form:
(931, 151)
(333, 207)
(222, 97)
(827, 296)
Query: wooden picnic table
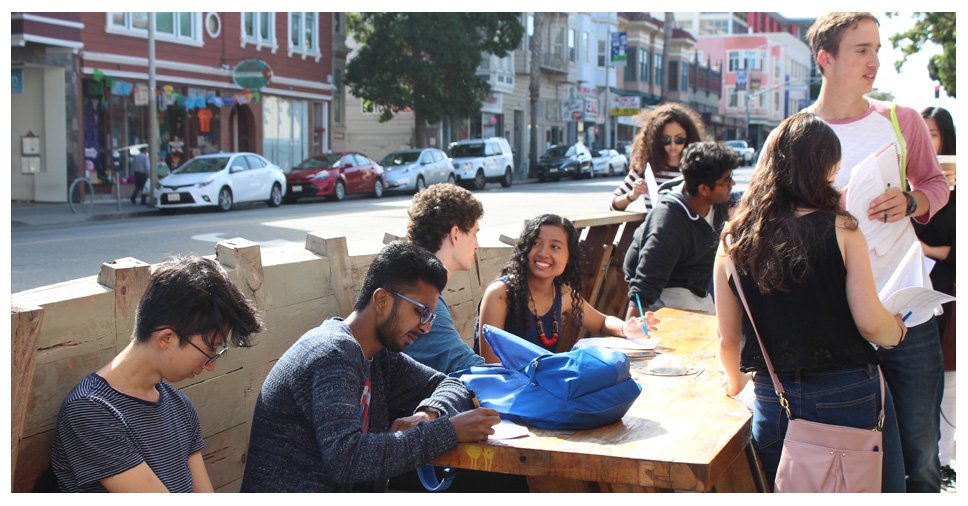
(682, 433)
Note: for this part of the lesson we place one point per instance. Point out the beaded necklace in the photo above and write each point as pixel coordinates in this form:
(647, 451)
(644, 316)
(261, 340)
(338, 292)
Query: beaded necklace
(548, 343)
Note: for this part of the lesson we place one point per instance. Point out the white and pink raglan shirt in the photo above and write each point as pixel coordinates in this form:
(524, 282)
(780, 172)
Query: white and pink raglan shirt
(871, 131)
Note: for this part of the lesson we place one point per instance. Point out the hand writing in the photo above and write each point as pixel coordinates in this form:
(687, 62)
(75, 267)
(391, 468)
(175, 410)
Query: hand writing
(475, 425)
(888, 207)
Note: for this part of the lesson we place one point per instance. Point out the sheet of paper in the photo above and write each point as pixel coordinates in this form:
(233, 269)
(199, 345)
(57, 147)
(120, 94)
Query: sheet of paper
(619, 343)
(746, 396)
(868, 180)
(920, 301)
(910, 272)
(508, 430)
(651, 184)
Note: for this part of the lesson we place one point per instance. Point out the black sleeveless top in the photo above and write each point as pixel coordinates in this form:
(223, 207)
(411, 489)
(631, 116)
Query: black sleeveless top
(809, 327)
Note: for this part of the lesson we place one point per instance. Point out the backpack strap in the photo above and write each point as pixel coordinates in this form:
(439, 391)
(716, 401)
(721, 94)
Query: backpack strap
(428, 477)
(901, 144)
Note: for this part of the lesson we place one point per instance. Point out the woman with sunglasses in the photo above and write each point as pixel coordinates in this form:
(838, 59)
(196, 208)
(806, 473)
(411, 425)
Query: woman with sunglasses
(665, 133)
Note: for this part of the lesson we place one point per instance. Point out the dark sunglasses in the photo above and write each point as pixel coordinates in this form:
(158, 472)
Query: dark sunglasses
(427, 315)
(680, 140)
(211, 358)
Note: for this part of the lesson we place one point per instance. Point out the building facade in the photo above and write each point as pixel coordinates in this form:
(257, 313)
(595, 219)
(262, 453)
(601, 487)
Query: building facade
(201, 107)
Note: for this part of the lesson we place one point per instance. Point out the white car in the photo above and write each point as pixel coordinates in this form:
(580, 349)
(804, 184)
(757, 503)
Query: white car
(415, 169)
(479, 161)
(222, 179)
(742, 150)
(608, 162)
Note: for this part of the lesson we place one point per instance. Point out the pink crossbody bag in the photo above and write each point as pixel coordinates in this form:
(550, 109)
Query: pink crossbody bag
(819, 457)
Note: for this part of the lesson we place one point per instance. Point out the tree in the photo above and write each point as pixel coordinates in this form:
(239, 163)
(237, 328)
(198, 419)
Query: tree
(883, 96)
(936, 27)
(426, 61)
(667, 28)
(534, 91)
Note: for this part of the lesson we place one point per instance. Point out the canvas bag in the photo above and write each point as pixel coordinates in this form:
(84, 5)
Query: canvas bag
(579, 389)
(819, 457)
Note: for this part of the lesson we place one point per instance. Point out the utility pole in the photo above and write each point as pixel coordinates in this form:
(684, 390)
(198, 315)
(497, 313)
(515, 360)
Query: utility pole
(608, 105)
(152, 113)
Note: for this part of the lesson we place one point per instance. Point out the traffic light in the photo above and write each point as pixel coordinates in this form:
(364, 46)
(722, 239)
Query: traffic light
(937, 91)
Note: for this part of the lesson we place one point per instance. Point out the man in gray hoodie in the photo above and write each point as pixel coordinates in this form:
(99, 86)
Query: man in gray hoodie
(332, 414)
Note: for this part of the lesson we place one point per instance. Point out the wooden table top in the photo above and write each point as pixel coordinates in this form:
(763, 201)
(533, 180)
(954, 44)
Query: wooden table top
(681, 433)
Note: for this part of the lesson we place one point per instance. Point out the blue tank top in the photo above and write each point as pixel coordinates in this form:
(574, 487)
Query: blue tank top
(530, 332)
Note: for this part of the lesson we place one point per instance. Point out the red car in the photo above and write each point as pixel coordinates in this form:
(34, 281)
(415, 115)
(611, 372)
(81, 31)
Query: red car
(334, 175)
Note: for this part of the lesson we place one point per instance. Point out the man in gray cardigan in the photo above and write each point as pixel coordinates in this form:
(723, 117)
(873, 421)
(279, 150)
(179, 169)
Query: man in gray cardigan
(327, 417)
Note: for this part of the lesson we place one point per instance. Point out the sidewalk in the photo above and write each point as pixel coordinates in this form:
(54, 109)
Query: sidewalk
(31, 214)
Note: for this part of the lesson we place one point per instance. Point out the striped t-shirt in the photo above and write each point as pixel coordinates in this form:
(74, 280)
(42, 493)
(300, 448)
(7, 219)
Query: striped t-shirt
(661, 176)
(102, 432)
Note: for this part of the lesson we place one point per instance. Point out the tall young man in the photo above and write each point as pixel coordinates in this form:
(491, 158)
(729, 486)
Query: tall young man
(670, 260)
(845, 46)
(327, 417)
(444, 220)
(125, 428)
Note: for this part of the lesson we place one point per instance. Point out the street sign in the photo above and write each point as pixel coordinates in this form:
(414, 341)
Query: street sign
(619, 43)
(252, 74)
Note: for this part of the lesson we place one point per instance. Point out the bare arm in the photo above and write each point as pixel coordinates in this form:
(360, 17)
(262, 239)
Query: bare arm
(873, 320)
(494, 312)
(139, 478)
(730, 317)
(200, 480)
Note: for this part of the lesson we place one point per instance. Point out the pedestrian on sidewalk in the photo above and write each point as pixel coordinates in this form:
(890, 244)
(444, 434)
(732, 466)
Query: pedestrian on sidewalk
(141, 169)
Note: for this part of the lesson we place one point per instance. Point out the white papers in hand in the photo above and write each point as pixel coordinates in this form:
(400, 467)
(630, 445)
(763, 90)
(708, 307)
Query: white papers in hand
(651, 184)
(508, 430)
(905, 291)
(618, 343)
(868, 180)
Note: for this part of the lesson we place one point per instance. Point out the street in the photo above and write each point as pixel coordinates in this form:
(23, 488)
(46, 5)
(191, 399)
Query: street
(46, 255)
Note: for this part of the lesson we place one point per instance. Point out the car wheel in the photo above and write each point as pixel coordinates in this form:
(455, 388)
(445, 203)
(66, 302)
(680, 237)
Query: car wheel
(506, 181)
(339, 191)
(451, 179)
(275, 196)
(479, 180)
(225, 199)
(378, 188)
(421, 184)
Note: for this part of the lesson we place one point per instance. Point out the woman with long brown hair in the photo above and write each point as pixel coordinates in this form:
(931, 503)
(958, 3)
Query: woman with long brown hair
(804, 267)
(665, 133)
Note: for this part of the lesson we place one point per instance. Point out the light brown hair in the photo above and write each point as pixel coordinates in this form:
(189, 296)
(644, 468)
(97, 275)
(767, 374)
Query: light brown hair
(826, 32)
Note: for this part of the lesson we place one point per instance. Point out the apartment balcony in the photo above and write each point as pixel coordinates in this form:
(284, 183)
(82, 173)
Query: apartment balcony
(554, 63)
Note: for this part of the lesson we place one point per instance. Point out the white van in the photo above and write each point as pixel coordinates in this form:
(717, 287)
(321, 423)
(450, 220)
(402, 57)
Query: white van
(481, 161)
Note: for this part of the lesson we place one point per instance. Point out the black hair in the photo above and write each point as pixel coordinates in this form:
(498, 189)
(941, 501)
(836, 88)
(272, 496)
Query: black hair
(946, 127)
(398, 266)
(193, 295)
(706, 162)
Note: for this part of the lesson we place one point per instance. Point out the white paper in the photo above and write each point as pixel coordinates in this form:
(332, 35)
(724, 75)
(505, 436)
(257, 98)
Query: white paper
(905, 291)
(508, 430)
(651, 184)
(868, 180)
(619, 343)
(746, 395)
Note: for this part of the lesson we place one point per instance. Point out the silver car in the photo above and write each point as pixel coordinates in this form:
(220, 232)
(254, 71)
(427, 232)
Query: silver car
(608, 162)
(415, 169)
(742, 150)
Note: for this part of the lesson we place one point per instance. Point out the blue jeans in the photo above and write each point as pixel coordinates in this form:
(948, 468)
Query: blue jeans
(915, 372)
(849, 397)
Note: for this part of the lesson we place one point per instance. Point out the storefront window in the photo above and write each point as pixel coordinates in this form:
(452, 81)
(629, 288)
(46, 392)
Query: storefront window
(285, 127)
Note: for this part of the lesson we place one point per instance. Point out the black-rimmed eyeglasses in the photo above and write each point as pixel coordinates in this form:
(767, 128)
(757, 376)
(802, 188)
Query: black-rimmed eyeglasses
(427, 314)
(679, 140)
(211, 358)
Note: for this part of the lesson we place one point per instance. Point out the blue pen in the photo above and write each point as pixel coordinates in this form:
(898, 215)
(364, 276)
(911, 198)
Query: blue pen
(645, 328)
(906, 316)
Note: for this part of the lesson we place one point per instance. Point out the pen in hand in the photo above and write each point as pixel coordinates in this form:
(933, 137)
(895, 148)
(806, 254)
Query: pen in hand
(474, 399)
(645, 327)
(885, 211)
(904, 319)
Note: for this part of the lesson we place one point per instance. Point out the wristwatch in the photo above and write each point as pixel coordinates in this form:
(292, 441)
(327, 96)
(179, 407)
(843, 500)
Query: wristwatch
(912, 205)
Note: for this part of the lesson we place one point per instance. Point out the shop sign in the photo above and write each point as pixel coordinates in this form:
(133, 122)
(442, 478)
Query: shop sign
(591, 109)
(572, 109)
(252, 74)
(588, 91)
(625, 106)
(140, 94)
(493, 103)
(619, 49)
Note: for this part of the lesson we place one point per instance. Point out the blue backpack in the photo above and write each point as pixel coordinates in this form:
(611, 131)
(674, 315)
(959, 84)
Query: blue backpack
(580, 389)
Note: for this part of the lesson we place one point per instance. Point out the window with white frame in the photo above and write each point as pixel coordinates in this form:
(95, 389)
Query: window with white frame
(304, 34)
(601, 53)
(178, 27)
(658, 69)
(585, 45)
(644, 65)
(684, 76)
(732, 99)
(571, 45)
(734, 61)
(259, 28)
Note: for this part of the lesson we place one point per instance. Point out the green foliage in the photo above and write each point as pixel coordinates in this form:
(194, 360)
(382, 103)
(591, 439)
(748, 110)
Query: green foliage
(426, 61)
(884, 96)
(936, 27)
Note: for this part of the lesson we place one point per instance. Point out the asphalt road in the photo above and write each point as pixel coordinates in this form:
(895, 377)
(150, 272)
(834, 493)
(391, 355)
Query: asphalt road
(43, 256)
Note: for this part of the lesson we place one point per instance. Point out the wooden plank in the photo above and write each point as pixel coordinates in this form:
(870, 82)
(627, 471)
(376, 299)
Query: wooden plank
(128, 277)
(242, 259)
(24, 333)
(334, 247)
(595, 219)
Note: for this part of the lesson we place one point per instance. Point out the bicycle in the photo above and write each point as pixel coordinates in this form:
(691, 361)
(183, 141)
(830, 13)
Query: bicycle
(79, 193)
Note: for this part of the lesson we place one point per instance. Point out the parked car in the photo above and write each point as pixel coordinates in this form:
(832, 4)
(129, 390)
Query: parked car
(415, 169)
(481, 161)
(334, 175)
(609, 162)
(222, 179)
(743, 150)
(564, 160)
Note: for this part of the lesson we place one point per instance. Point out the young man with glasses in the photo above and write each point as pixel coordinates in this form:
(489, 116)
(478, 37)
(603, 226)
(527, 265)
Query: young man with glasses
(125, 428)
(444, 220)
(344, 410)
(670, 260)
(845, 47)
